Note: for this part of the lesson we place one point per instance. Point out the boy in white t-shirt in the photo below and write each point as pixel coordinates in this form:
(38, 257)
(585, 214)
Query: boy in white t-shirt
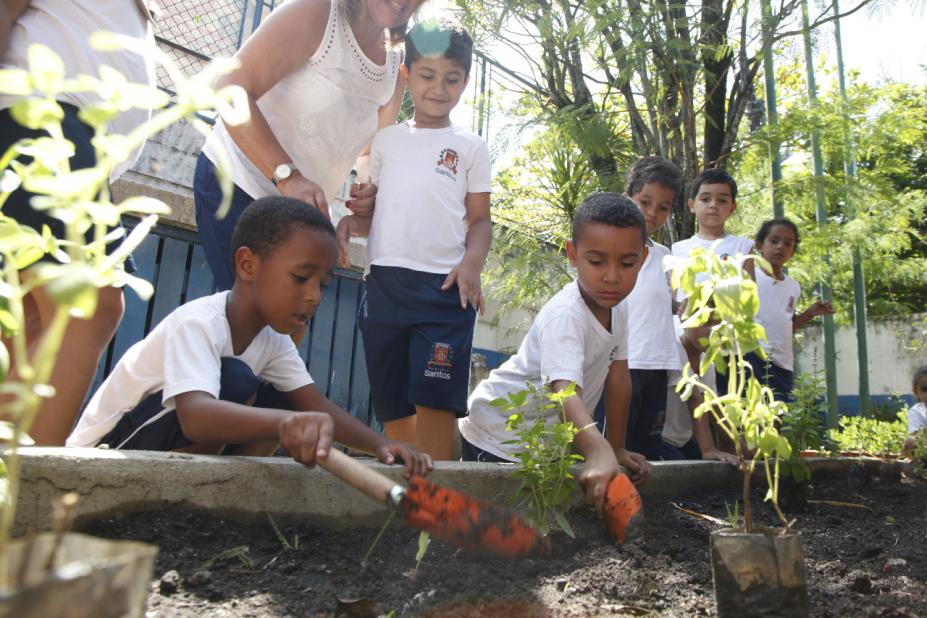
(653, 183)
(188, 384)
(428, 240)
(777, 240)
(917, 414)
(580, 336)
(713, 201)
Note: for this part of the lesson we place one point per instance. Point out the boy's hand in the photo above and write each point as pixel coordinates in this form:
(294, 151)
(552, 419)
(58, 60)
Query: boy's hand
(599, 469)
(306, 436)
(414, 462)
(348, 227)
(820, 308)
(716, 455)
(363, 199)
(637, 465)
(467, 276)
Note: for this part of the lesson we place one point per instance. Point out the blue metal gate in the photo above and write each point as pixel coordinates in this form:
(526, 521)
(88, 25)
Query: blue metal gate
(173, 261)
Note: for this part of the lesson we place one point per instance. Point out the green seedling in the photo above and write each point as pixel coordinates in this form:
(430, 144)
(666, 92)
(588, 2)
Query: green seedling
(722, 296)
(242, 553)
(733, 513)
(376, 539)
(81, 199)
(287, 545)
(424, 540)
(545, 455)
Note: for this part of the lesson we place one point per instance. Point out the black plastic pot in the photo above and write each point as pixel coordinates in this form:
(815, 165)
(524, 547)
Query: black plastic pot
(760, 574)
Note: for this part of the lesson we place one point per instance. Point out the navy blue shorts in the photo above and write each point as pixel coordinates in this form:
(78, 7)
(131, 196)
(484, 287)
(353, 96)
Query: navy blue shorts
(468, 452)
(139, 430)
(18, 204)
(646, 411)
(417, 341)
(216, 234)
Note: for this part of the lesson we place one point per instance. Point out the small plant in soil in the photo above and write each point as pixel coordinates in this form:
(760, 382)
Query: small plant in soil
(82, 201)
(545, 456)
(748, 414)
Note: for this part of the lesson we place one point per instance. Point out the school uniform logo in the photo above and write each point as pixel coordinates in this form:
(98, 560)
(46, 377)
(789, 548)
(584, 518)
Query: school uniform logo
(447, 163)
(791, 306)
(442, 360)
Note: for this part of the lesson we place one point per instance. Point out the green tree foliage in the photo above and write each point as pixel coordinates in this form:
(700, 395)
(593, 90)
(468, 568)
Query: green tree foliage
(620, 78)
(883, 210)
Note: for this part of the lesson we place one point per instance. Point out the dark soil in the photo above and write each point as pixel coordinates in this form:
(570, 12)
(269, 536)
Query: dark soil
(860, 562)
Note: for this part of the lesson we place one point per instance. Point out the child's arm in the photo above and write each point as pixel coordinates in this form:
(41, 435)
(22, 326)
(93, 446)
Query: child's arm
(817, 308)
(617, 402)
(348, 227)
(479, 237)
(305, 436)
(601, 465)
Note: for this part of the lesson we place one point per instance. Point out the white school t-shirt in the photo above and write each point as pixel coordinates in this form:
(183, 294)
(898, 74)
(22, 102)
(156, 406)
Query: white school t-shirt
(728, 247)
(183, 354)
(652, 341)
(777, 306)
(423, 177)
(565, 342)
(917, 417)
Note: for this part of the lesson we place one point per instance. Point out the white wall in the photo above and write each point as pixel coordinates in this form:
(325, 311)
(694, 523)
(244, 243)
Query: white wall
(891, 364)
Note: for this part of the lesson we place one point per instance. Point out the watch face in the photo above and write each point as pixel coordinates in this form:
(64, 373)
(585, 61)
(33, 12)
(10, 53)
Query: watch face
(283, 171)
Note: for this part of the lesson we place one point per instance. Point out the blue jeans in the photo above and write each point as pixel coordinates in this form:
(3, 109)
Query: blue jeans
(216, 234)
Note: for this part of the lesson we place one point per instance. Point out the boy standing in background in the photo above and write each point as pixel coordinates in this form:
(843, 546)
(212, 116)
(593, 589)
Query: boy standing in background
(653, 183)
(428, 240)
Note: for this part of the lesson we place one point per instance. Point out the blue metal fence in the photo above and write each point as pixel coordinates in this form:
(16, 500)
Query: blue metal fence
(173, 261)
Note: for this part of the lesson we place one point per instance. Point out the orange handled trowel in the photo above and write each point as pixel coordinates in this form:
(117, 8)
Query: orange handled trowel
(446, 514)
(624, 514)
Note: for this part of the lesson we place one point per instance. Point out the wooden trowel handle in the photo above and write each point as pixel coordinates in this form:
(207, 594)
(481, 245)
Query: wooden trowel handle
(357, 475)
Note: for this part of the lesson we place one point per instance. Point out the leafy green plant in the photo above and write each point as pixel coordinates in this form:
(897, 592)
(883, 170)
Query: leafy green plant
(888, 409)
(732, 513)
(82, 201)
(803, 424)
(545, 454)
(723, 297)
(867, 435)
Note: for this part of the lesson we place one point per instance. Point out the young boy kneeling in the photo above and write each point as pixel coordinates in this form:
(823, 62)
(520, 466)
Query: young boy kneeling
(581, 336)
(222, 370)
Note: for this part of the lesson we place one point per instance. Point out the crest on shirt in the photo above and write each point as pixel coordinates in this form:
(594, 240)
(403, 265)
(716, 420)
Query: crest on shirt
(442, 355)
(612, 354)
(791, 307)
(448, 160)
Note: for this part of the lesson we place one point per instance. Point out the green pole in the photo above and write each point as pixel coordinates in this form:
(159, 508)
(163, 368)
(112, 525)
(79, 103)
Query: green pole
(859, 280)
(772, 116)
(830, 350)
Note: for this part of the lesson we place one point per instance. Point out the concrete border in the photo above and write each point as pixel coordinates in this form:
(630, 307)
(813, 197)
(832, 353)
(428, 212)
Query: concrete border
(246, 488)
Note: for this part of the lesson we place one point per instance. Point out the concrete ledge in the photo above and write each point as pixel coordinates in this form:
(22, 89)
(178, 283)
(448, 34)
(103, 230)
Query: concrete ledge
(113, 482)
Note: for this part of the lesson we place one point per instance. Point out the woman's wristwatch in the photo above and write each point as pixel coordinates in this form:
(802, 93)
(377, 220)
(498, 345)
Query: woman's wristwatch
(282, 172)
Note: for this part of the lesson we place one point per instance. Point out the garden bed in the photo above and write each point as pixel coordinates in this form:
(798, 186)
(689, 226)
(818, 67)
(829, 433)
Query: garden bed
(861, 562)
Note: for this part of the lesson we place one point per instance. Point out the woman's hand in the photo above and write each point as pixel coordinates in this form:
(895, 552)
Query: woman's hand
(301, 188)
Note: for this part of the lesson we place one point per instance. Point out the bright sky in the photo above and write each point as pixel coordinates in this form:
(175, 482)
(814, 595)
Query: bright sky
(887, 43)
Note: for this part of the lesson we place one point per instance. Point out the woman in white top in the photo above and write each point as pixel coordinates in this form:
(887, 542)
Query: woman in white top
(65, 26)
(321, 77)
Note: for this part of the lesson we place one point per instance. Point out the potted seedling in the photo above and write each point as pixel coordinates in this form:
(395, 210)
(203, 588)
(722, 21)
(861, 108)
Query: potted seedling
(60, 573)
(758, 571)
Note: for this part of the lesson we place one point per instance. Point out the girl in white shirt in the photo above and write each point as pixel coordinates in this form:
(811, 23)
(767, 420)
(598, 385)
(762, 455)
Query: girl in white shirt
(777, 241)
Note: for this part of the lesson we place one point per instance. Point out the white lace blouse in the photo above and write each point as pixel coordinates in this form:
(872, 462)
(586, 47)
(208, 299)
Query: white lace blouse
(323, 114)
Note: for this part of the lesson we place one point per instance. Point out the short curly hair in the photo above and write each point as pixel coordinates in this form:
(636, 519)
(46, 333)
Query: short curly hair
(918, 375)
(653, 169)
(266, 223)
(609, 208)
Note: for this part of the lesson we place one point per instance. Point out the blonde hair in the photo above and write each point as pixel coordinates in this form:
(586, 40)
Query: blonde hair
(396, 35)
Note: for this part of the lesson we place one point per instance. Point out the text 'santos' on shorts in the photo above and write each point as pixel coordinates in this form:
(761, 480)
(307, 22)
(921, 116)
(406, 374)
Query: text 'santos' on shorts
(417, 340)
